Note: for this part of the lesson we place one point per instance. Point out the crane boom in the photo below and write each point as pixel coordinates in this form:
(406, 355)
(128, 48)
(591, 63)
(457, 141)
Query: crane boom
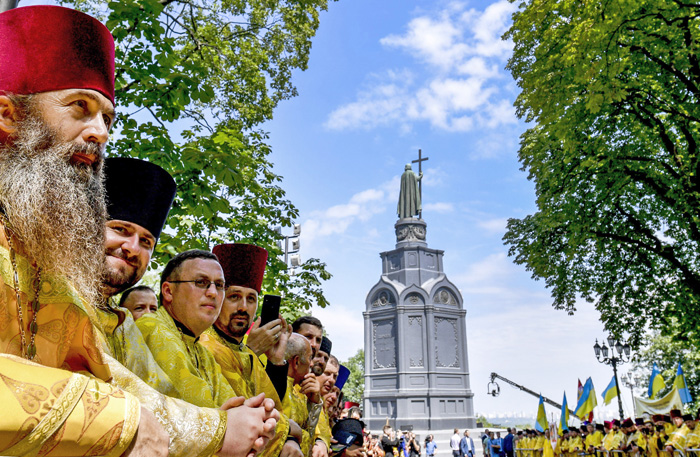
(495, 376)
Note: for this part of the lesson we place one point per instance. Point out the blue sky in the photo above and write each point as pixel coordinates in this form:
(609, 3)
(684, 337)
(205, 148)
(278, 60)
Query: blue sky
(385, 79)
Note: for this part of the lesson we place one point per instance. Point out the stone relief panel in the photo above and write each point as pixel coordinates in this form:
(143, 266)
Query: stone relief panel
(384, 343)
(410, 232)
(394, 262)
(383, 297)
(444, 296)
(414, 341)
(446, 343)
(414, 299)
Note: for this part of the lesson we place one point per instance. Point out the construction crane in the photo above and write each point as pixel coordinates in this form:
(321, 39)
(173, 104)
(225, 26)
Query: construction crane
(494, 390)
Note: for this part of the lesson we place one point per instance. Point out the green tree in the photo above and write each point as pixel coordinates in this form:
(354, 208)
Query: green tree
(354, 389)
(666, 352)
(194, 81)
(611, 92)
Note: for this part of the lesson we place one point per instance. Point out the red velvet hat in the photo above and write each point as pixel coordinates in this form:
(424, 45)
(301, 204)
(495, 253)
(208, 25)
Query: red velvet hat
(45, 48)
(243, 264)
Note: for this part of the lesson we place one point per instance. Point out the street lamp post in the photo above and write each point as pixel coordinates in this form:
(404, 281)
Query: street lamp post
(290, 247)
(617, 354)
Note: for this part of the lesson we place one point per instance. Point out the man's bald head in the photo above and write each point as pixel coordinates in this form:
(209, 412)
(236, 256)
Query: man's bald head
(298, 355)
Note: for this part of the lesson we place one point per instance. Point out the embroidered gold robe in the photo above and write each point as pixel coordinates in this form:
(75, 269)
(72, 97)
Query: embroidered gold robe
(191, 368)
(323, 430)
(246, 374)
(678, 437)
(65, 338)
(193, 431)
(294, 407)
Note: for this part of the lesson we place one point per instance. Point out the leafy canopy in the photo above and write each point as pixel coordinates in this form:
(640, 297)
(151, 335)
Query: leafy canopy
(194, 80)
(611, 90)
(354, 388)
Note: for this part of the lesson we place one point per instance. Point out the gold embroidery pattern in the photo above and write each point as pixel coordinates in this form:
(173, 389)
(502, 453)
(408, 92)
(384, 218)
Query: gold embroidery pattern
(193, 431)
(50, 423)
(29, 396)
(94, 403)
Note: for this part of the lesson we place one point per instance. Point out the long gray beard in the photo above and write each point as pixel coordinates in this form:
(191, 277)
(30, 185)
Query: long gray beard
(56, 210)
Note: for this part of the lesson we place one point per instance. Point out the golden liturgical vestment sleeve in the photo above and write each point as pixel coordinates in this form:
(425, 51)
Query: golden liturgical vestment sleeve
(65, 339)
(191, 368)
(47, 411)
(246, 374)
(294, 407)
(193, 431)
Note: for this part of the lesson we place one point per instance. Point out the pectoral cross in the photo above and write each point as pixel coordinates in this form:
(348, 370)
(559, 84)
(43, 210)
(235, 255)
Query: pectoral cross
(420, 161)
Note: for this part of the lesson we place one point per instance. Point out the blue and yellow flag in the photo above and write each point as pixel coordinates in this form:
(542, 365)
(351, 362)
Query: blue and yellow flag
(564, 420)
(587, 401)
(610, 392)
(541, 422)
(680, 383)
(656, 382)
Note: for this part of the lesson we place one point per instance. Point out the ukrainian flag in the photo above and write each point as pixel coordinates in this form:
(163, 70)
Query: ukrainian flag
(680, 383)
(564, 420)
(610, 392)
(656, 382)
(587, 401)
(541, 423)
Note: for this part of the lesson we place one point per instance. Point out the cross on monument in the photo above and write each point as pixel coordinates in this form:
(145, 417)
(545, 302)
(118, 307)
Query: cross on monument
(420, 161)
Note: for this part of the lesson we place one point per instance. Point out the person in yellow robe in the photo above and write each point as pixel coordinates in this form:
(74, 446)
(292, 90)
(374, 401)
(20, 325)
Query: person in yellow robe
(677, 440)
(547, 450)
(56, 108)
(594, 438)
(327, 382)
(312, 329)
(301, 382)
(693, 438)
(192, 291)
(244, 269)
(137, 211)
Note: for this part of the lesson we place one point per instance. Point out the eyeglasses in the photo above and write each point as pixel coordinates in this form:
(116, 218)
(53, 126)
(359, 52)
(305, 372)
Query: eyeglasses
(205, 283)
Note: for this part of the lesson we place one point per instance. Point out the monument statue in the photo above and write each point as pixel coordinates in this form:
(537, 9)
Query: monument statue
(409, 195)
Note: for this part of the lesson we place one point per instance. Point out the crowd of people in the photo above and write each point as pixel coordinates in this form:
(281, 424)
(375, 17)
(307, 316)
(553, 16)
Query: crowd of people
(181, 371)
(656, 435)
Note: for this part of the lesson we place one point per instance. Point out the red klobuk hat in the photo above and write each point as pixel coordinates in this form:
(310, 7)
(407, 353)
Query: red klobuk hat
(676, 413)
(45, 48)
(243, 264)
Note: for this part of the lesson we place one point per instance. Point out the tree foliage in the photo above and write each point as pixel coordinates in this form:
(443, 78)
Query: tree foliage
(666, 352)
(354, 389)
(611, 90)
(194, 81)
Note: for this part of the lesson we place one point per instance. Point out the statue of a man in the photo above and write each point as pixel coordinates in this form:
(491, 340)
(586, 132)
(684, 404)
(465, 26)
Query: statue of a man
(409, 196)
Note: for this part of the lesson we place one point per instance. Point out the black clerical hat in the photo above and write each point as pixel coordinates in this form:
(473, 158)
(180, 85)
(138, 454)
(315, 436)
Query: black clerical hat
(326, 345)
(138, 192)
(347, 432)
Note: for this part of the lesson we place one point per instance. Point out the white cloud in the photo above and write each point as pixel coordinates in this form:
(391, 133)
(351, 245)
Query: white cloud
(437, 41)
(360, 207)
(459, 53)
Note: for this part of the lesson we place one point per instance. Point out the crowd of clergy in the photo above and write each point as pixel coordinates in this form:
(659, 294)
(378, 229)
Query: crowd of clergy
(92, 364)
(659, 435)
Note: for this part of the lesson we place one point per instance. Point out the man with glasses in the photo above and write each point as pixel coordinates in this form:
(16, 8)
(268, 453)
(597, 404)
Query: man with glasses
(191, 294)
